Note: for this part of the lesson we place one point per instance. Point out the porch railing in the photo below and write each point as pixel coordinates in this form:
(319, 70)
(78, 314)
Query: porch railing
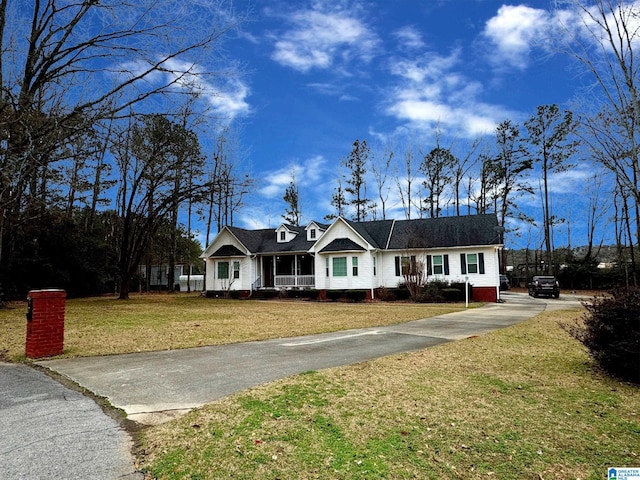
(295, 280)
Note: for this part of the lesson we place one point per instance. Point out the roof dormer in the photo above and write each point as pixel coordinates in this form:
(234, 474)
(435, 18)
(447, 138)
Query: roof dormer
(315, 231)
(285, 233)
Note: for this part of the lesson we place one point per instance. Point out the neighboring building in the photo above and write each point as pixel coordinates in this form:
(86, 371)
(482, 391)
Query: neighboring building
(159, 275)
(357, 255)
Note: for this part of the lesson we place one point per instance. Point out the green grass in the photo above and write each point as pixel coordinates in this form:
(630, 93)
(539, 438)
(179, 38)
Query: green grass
(521, 403)
(105, 325)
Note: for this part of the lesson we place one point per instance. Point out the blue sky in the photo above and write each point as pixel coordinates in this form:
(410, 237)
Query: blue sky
(316, 75)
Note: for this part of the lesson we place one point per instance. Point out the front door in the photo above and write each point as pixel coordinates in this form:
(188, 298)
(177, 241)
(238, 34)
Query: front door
(267, 271)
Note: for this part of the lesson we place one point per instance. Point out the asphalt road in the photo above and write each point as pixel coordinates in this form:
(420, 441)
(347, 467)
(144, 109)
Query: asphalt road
(151, 387)
(48, 431)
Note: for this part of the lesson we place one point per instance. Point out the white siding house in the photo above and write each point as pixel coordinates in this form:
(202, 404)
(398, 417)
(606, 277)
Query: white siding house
(350, 255)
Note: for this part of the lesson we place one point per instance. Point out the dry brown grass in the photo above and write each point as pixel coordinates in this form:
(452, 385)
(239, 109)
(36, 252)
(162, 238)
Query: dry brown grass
(523, 402)
(104, 325)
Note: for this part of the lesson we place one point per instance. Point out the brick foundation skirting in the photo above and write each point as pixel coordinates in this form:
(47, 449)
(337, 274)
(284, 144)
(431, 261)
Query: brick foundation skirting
(485, 294)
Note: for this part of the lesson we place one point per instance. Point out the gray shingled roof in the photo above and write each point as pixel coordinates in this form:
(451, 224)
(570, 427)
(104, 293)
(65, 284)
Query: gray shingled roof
(445, 232)
(400, 235)
(375, 233)
(265, 240)
(342, 245)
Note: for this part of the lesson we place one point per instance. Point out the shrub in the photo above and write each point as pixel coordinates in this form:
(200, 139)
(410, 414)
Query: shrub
(309, 293)
(356, 295)
(385, 294)
(611, 333)
(335, 295)
(451, 294)
(432, 293)
(401, 293)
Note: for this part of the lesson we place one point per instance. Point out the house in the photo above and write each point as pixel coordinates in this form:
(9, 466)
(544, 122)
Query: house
(159, 275)
(357, 255)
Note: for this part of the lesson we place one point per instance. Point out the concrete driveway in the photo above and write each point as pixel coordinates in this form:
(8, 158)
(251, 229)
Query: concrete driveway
(155, 386)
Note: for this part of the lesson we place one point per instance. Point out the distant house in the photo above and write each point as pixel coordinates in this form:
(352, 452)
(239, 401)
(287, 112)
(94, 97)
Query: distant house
(159, 275)
(357, 255)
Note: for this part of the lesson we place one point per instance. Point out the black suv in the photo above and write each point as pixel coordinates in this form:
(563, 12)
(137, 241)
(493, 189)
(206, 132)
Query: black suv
(544, 285)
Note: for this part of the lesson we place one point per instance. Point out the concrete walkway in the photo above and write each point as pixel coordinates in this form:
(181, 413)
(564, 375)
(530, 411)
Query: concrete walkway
(153, 387)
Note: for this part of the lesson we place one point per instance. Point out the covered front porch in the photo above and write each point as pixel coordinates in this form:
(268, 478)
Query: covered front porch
(286, 271)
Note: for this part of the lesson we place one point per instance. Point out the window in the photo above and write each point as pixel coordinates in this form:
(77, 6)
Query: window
(406, 265)
(236, 270)
(223, 270)
(326, 264)
(340, 266)
(437, 264)
(374, 266)
(472, 263)
(354, 266)
(313, 233)
(283, 236)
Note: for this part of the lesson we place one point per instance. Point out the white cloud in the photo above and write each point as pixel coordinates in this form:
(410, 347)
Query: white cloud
(227, 98)
(307, 173)
(514, 31)
(323, 35)
(432, 93)
(409, 37)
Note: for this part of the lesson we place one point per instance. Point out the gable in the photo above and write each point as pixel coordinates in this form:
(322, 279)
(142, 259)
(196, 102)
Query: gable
(341, 230)
(287, 233)
(228, 242)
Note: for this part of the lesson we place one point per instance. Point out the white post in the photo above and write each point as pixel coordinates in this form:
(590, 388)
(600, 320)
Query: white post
(466, 291)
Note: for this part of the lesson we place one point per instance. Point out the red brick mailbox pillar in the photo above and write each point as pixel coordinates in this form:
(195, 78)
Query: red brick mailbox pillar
(45, 323)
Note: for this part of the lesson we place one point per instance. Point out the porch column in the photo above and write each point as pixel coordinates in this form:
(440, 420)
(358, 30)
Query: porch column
(295, 269)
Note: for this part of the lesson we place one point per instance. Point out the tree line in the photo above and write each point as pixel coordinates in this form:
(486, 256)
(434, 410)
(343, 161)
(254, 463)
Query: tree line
(93, 179)
(486, 177)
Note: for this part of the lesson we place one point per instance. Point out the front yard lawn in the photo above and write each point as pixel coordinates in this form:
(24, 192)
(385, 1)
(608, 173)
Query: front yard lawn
(525, 402)
(104, 325)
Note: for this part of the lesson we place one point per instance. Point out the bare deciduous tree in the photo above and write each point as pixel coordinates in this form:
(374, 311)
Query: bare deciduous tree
(67, 66)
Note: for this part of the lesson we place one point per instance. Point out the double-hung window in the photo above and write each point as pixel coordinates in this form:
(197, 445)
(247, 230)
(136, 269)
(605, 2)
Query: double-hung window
(438, 265)
(236, 270)
(472, 263)
(354, 266)
(406, 266)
